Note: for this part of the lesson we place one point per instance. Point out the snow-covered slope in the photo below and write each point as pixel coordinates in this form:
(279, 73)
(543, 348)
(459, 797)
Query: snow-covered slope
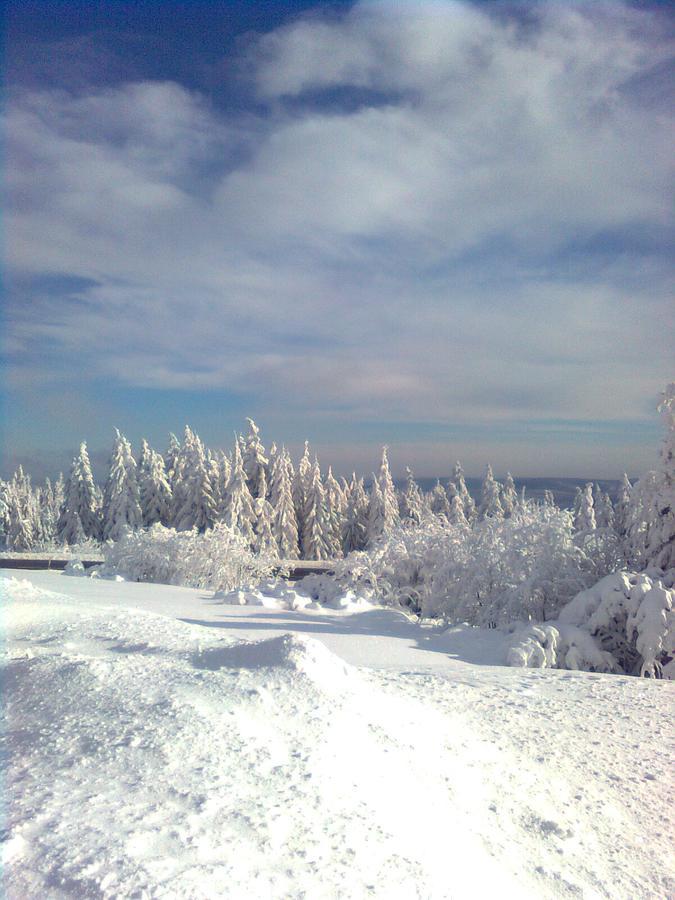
(162, 744)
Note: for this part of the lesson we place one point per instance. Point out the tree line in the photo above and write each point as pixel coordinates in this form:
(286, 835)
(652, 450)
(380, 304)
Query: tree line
(281, 509)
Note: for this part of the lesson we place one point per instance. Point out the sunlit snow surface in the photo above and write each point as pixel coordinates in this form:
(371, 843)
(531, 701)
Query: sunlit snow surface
(161, 743)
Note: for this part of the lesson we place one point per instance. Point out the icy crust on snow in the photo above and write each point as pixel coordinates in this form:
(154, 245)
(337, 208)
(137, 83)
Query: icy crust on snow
(624, 623)
(154, 757)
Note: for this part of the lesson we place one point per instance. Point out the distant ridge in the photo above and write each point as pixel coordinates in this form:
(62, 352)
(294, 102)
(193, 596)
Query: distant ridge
(563, 488)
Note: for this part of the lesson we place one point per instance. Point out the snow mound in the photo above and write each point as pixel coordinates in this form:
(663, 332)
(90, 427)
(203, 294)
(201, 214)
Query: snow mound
(293, 653)
(279, 598)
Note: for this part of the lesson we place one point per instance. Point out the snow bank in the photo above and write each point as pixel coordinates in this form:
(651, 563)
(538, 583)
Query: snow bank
(150, 754)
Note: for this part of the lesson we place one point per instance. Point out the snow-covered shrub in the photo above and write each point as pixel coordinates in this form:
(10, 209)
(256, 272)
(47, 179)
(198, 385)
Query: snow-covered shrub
(220, 558)
(624, 623)
(522, 568)
(553, 645)
(629, 615)
(393, 572)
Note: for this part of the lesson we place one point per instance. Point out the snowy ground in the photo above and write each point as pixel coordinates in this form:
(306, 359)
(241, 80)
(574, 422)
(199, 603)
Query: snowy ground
(163, 744)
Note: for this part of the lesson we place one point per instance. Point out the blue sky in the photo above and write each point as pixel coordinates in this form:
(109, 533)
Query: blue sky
(442, 225)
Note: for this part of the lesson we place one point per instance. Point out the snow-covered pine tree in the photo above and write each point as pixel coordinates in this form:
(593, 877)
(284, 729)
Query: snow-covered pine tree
(121, 501)
(143, 463)
(463, 492)
(285, 525)
(490, 504)
(651, 530)
(509, 497)
(198, 507)
(254, 460)
(457, 516)
(411, 501)
(277, 470)
(549, 498)
(239, 509)
(584, 514)
(4, 511)
(81, 500)
(49, 512)
(224, 471)
(300, 487)
(375, 528)
(272, 457)
(438, 501)
(182, 456)
(70, 531)
(355, 525)
(604, 510)
(622, 507)
(388, 491)
(264, 542)
(213, 468)
(335, 515)
(316, 527)
(20, 524)
(155, 491)
(171, 456)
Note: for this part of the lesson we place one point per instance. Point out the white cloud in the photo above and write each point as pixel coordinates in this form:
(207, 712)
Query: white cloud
(402, 259)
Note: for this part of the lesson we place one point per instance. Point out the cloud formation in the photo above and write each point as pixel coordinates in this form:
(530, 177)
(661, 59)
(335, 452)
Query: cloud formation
(431, 212)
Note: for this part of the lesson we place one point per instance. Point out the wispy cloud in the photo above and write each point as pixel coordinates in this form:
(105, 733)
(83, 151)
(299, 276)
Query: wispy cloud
(426, 213)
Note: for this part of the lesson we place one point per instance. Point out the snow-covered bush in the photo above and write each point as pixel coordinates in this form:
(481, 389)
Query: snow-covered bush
(393, 572)
(624, 623)
(525, 567)
(219, 559)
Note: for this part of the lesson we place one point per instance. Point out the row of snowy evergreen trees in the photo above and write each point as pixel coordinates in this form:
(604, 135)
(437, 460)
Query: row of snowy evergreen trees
(281, 509)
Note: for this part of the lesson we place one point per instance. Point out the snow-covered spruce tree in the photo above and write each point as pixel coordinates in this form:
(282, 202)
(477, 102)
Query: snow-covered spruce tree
(622, 507)
(456, 515)
(265, 542)
(603, 508)
(604, 511)
(80, 500)
(439, 501)
(651, 517)
(272, 462)
(300, 487)
(220, 493)
(335, 504)
(213, 468)
(509, 496)
(375, 527)
(463, 492)
(198, 507)
(20, 525)
(239, 509)
(277, 469)
(171, 456)
(121, 500)
(285, 526)
(254, 461)
(155, 491)
(316, 527)
(49, 512)
(355, 525)
(490, 504)
(584, 513)
(410, 507)
(4, 511)
(549, 498)
(388, 491)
